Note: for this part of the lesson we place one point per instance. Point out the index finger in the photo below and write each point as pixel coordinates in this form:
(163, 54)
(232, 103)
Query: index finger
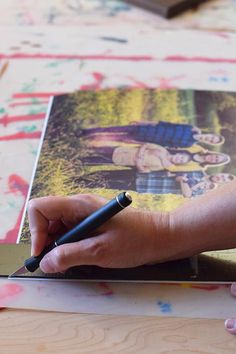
(40, 212)
(69, 210)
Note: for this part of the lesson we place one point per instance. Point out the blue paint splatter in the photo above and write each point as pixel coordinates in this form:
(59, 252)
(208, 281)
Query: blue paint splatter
(165, 307)
(224, 79)
(52, 14)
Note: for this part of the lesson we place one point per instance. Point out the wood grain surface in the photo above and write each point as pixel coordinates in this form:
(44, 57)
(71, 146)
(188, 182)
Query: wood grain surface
(27, 332)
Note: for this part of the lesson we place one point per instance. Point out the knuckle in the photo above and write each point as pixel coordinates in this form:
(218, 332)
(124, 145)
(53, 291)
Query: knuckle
(88, 199)
(60, 258)
(32, 205)
(99, 251)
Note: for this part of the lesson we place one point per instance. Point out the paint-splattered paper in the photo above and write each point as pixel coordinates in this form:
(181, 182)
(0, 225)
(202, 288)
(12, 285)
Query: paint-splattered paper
(209, 301)
(36, 64)
(213, 15)
(97, 51)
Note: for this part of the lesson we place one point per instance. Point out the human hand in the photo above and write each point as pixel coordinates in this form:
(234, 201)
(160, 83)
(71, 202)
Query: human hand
(129, 239)
(230, 324)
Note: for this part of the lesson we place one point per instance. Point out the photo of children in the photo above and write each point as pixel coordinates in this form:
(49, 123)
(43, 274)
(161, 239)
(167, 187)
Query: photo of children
(163, 146)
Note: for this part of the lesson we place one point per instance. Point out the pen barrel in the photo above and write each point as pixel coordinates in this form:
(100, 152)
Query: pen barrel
(83, 230)
(96, 219)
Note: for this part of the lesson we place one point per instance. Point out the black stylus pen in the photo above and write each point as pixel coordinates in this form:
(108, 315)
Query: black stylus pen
(81, 231)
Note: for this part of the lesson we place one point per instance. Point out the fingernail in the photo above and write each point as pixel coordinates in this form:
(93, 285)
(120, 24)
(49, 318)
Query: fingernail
(233, 289)
(230, 324)
(46, 265)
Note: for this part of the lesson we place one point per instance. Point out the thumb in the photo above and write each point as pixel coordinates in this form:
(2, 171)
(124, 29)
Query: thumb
(230, 324)
(92, 251)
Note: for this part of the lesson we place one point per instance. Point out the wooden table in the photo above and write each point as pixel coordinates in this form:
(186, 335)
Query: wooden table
(27, 332)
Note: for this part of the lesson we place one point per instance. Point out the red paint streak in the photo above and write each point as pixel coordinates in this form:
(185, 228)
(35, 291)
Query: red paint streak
(21, 135)
(219, 72)
(5, 120)
(166, 83)
(221, 35)
(10, 290)
(134, 58)
(206, 287)
(16, 184)
(36, 94)
(11, 235)
(108, 291)
(98, 79)
(138, 84)
(180, 58)
(75, 56)
(16, 104)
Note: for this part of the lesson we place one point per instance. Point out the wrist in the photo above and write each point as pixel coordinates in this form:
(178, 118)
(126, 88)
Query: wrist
(173, 240)
(164, 241)
(185, 234)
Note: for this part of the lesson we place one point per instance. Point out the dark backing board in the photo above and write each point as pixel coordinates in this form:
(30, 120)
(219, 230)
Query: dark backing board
(166, 8)
(210, 269)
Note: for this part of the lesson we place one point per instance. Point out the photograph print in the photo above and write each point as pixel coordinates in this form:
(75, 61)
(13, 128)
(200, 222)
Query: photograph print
(163, 146)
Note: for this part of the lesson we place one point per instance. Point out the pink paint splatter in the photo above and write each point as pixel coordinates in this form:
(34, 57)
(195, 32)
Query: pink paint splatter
(76, 56)
(16, 184)
(103, 290)
(25, 103)
(207, 287)
(166, 83)
(138, 84)
(20, 136)
(36, 94)
(221, 35)
(98, 80)
(5, 120)
(9, 292)
(181, 58)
